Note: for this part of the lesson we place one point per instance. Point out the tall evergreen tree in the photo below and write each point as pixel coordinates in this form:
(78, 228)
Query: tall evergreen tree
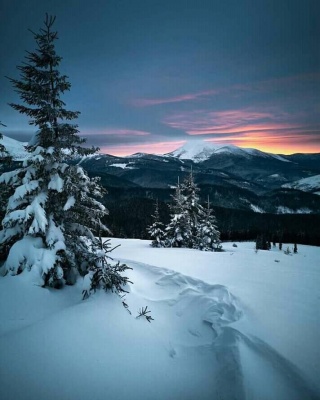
(178, 232)
(155, 230)
(193, 208)
(53, 213)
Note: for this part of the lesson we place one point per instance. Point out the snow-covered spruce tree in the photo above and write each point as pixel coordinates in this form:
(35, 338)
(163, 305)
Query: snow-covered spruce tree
(208, 237)
(194, 209)
(155, 230)
(53, 213)
(178, 232)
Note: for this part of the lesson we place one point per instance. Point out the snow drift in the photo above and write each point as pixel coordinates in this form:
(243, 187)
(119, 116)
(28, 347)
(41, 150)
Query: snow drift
(234, 325)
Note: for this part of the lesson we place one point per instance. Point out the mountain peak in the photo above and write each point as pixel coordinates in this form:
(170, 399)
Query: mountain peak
(199, 151)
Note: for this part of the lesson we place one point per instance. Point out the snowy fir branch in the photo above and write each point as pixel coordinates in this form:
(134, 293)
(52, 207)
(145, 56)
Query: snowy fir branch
(143, 312)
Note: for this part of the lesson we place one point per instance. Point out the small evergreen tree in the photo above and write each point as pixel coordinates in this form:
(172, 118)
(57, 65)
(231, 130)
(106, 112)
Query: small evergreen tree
(102, 273)
(155, 230)
(262, 243)
(208, 237)
(53, 213)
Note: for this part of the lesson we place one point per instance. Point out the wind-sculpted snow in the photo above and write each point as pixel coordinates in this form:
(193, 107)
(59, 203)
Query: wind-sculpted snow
(205, 341)
(245, 367)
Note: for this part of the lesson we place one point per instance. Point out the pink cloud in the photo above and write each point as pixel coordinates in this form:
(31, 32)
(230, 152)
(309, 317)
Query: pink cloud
(176, 99)
(228, 121)
(293, 83)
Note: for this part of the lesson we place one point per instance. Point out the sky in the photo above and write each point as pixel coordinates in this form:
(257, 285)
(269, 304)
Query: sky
(149, 75)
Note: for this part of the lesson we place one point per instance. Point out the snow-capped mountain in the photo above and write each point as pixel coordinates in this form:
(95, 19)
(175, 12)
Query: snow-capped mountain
(199, 151)
(310, 184)
(15, 148)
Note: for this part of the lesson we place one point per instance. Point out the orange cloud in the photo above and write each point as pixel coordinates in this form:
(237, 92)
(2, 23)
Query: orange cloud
(272, 143)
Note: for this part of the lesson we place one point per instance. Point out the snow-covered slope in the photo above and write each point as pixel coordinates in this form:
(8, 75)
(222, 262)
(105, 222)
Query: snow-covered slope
(232, 325)
(311, 184)
(15, 148)
(199, 151)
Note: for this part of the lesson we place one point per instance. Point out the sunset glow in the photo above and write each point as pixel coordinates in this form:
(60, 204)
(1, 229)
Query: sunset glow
(149, 76)
(272, 144)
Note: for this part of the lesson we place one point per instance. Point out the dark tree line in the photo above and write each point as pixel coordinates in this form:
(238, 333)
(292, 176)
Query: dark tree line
(130, 219)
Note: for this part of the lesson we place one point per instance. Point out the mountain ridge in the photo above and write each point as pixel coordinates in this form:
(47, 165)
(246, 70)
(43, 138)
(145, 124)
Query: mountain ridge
(196, 151)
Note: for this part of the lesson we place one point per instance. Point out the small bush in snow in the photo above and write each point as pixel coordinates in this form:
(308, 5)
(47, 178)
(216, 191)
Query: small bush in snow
(287, 251)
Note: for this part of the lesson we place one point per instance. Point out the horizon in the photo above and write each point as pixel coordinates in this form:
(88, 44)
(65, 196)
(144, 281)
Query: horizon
(150, 76)
(179, 146)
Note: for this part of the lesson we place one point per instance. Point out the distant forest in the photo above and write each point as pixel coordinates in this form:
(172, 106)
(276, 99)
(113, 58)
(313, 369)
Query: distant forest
(130, 213)
(130, 217)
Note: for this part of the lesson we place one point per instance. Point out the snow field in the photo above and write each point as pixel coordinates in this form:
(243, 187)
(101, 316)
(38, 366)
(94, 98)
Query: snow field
(233, 325)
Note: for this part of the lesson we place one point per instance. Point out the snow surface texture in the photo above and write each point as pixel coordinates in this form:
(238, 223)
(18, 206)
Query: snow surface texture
(234, 325)
(199, 151)
(15, 148)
